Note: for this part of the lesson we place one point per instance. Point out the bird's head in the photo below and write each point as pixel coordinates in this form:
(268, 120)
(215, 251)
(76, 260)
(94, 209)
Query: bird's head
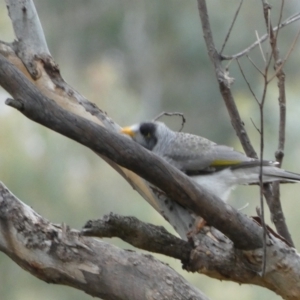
(146, 134)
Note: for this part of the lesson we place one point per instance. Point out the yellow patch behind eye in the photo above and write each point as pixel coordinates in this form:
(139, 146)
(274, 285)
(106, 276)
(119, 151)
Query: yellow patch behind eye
(222, 163)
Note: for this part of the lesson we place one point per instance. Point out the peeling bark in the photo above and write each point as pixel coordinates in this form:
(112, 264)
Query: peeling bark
(60, 255)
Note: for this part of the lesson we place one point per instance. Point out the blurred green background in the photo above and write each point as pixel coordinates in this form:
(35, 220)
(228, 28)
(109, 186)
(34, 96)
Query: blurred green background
(134, 59)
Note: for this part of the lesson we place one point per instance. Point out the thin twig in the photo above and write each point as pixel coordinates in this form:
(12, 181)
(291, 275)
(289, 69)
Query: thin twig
(170, 114)
(231, 26)
(266, 11)
(247, 82)
(286, 57)
(262, 39)
(255, 126)
(260, 47)
(279, 20)
(261, 108)
(282, 97)
(254, 65)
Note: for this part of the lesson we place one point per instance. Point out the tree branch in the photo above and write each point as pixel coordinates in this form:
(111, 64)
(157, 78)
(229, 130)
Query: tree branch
(214, 254)
(231, 26)
(44, 73)
(262, 39)
(274, 203)
(62, 109)
(224, 85)
(60, 255)
(214, 250)
(140, 235)
(238, 227)
(244, 232)
(29, 33)
(224, 82)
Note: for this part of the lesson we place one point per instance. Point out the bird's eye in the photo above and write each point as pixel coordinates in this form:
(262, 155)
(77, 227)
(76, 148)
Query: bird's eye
(147, 130)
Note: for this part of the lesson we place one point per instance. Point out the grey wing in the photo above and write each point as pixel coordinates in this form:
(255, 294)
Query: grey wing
(192, 153)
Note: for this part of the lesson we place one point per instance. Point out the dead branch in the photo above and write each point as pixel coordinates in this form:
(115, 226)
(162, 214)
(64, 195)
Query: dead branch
(231, 26)
(171, 114)
(224, 82)
(140, 235)
(38, 66)
(29, 101)
(274, 202)
(262, 39)
(60, 255)
(214, 254)
(47, 99)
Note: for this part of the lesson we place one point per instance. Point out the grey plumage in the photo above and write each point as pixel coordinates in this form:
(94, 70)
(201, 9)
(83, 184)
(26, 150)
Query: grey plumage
(217, 168)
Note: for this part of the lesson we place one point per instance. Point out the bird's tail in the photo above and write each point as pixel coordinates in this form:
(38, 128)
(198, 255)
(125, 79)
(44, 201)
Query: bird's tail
(277, 174)
(222, 182)
(248, 172)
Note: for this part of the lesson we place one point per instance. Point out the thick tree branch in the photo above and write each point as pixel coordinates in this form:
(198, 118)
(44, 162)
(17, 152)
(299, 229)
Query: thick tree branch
(238, 227)
(57, 254)
(54, 87)
(214, 254)
(60, 255)
(43, 72)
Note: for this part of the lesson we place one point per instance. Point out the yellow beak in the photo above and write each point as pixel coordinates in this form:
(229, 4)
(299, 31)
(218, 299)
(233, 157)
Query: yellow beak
(128, 131)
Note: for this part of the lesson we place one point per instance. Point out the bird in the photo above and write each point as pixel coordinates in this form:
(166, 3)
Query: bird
(217, 168)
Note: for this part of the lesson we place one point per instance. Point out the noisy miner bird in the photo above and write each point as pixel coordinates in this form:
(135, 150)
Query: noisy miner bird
(217, 168)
